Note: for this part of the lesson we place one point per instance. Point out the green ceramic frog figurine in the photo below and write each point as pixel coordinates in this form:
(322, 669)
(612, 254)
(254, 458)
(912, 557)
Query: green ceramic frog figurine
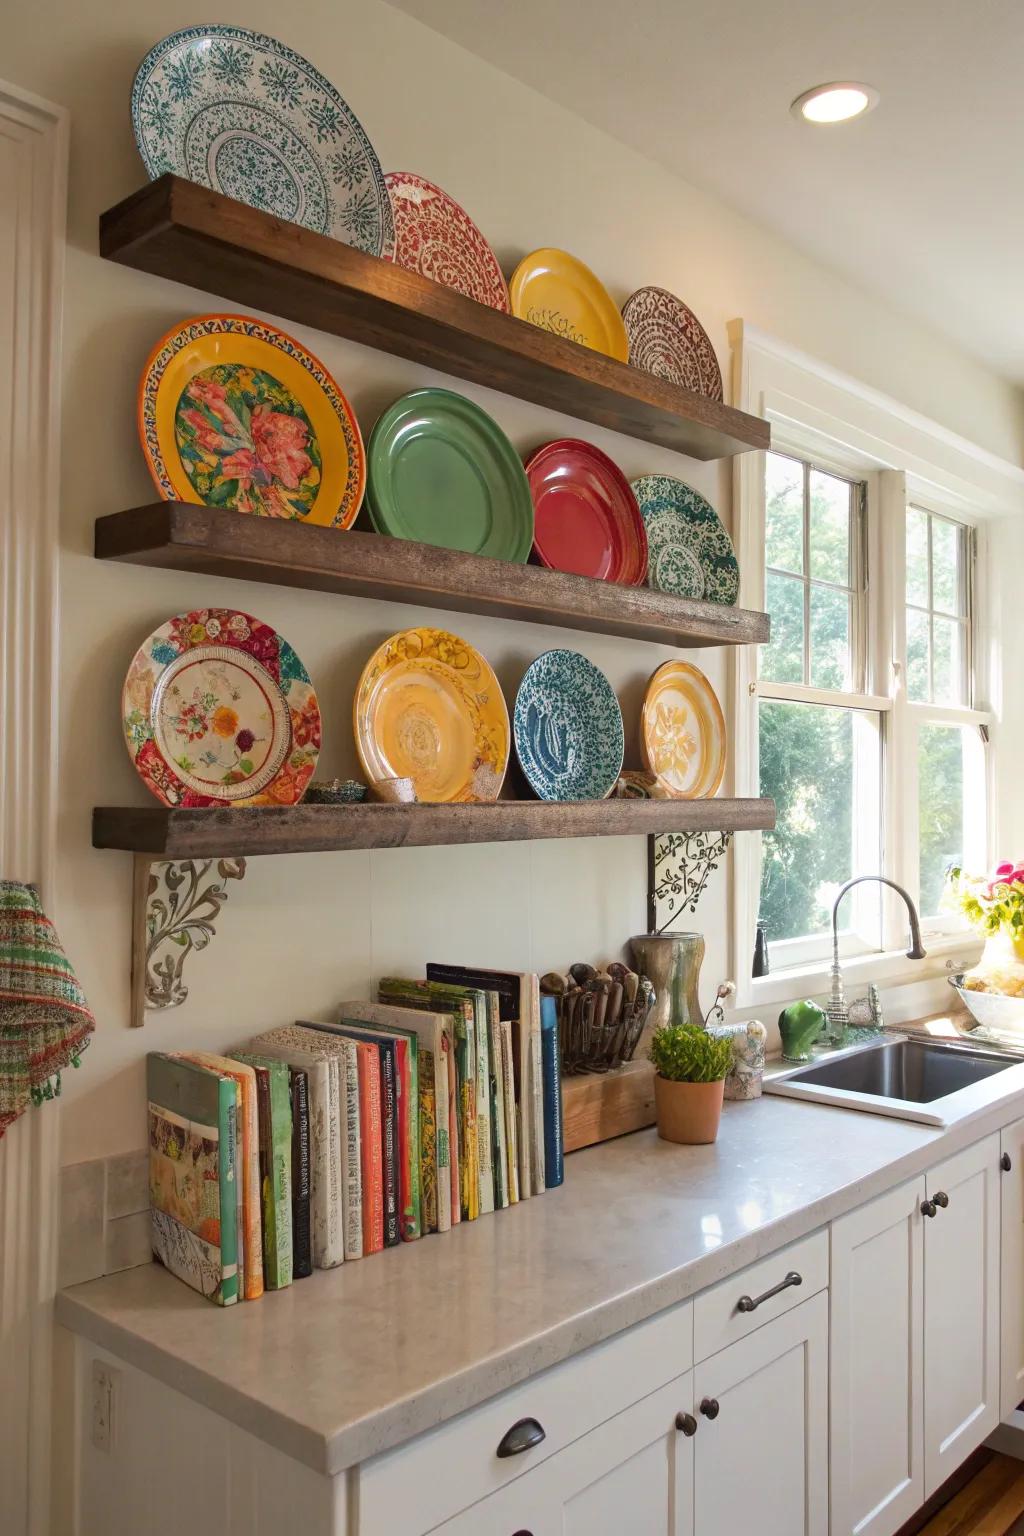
(800, 1025)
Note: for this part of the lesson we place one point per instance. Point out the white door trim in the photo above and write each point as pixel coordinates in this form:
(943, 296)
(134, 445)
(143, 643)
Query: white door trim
(33, 198)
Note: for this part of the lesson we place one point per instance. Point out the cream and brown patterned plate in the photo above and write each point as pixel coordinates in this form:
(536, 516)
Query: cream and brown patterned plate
(682, 731)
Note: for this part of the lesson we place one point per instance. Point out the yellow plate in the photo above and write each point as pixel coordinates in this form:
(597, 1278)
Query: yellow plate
(428, 708)
(235, 413)
(682, 731)
(555, 291)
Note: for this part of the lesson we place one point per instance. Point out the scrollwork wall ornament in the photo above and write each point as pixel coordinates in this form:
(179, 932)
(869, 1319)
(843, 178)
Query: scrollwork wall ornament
(177, 906)
(679, 867)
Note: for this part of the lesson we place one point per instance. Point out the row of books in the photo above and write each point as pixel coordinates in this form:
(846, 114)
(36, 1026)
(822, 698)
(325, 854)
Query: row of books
(326, 1142)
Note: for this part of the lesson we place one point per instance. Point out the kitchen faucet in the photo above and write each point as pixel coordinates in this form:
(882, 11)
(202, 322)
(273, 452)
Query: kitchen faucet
(866, 1010)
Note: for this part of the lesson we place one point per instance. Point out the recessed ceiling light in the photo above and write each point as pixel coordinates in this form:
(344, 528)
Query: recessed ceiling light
(836, 102)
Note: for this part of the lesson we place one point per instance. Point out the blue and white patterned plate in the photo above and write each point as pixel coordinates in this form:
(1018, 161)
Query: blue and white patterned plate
(567, 727)
(239, 112)
(690, 551)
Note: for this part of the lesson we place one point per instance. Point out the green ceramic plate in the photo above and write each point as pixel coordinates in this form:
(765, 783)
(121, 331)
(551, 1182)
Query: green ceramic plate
(441, 471)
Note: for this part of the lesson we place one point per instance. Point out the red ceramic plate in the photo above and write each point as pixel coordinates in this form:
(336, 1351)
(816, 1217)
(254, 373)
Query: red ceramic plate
(586, 517)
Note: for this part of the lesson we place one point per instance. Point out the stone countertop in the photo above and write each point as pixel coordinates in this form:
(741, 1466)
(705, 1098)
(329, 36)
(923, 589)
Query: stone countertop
(356, 1360)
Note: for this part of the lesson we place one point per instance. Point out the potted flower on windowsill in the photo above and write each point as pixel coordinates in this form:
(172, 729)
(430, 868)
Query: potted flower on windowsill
(690, 1068)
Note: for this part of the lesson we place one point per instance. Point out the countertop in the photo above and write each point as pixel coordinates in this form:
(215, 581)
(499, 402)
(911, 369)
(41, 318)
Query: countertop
(356, 1360)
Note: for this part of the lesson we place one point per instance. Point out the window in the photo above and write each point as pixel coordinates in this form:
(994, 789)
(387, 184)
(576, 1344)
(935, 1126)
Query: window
(869, 776)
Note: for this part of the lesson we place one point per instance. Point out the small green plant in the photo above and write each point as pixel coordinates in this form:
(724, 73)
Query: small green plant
(685, 1053)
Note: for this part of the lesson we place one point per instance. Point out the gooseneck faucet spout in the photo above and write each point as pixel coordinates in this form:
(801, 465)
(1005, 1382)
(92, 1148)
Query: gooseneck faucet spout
(837, 1011)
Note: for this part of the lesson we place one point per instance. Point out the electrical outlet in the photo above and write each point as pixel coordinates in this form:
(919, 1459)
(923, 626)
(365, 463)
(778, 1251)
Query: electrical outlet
(105, 1383)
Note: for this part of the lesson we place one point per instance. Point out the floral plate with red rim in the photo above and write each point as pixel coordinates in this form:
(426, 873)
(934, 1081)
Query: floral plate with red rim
(235, 413)
(436, 237)
(667, 339)
(217, 709)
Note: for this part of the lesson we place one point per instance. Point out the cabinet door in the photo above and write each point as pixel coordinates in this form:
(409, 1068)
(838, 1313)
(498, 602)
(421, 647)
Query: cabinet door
(876, 1379)
(961, 1308)
(761, 1463)
(632, 1473)
(1011, 1307)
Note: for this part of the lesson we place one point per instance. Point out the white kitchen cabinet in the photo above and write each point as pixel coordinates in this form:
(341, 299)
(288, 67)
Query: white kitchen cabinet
(1011, 1201)
(632, 1473)
(961, 1307)
(761, 1449)
(876, 1388)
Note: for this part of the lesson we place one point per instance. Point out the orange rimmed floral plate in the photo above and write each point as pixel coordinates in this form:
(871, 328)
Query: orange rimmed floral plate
(682, 731)
(217, 709)
(559, 293)
(235, 413)
(428, 708)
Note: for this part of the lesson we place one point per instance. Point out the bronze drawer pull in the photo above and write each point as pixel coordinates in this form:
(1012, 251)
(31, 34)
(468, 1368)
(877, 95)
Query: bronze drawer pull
(686, 1423)
(523, 1436)
(751, 1303)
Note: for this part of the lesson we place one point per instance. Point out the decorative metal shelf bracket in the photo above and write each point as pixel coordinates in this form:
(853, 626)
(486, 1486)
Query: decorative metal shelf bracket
(679, 865)
(175, 906)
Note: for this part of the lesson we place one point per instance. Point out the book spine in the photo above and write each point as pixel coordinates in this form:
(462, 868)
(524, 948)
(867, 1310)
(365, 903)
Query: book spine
(469, 1176)
(411, 1113)
(353, 1169)
(442, 1067)
(454, 1152)
(267, 1209)
(302, 1237)
(508, 1085)
(554, 1163)
(536, 1093)
(320, 1194)
(392, 1170)
(521, 1056)
(499, 1151)
(372, 1149)
(239, 1182)
(230, 1182)
(334, 1252)
(482, 1078)
(430, 1177)
(280, 1169)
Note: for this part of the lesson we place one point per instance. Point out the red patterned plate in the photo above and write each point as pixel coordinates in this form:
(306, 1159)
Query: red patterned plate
(437, 238)
(586, 517)
(667, 339)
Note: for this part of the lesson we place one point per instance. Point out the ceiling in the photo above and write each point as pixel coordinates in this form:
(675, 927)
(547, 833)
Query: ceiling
(921, 201)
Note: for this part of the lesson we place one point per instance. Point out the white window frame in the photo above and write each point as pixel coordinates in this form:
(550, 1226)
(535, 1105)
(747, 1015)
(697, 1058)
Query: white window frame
(837, 423)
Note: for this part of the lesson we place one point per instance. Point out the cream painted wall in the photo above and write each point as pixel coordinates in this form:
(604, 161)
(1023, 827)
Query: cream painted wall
(300, 933)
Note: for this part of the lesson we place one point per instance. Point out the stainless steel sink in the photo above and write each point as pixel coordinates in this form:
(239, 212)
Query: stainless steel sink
(924, 1080)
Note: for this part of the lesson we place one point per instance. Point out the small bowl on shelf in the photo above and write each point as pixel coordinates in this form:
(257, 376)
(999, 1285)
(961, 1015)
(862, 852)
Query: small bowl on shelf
(335, 792)
(394, 791)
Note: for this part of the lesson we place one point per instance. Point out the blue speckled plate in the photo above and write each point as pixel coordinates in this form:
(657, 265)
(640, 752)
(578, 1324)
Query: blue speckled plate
(689, 551)
(239, 112)
(567, 727)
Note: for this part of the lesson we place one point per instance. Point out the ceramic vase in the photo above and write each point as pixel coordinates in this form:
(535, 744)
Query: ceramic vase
(748, 1051)
(672, 961)
(688, 1113)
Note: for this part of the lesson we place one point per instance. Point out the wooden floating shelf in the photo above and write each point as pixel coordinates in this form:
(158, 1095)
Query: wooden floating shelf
(220, 542)
(185, 232)
(167, 832)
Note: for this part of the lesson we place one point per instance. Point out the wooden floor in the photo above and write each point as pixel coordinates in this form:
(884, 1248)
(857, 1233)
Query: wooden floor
(985, 1498)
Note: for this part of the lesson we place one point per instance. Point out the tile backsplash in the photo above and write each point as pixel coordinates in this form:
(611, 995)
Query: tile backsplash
(104, 1217)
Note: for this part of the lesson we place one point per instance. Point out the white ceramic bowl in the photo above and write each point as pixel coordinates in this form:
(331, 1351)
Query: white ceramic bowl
(990, 1011)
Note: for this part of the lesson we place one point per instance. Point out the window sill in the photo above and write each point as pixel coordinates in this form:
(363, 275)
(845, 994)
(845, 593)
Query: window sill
(947, 953)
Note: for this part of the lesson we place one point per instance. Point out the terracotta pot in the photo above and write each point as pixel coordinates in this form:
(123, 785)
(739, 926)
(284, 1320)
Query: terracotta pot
(688, 1113)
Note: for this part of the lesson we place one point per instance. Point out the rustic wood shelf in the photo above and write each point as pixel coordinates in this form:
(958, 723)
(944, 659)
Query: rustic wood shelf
(220, 542)
(185, 232)
(167, 832)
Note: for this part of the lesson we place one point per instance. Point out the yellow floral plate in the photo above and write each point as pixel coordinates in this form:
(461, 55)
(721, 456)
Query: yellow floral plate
(556, 291)
(682, 731)
(428, 708)
(235, 413)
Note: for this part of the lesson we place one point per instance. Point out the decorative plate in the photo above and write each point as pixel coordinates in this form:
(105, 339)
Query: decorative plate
(428, 708)
(567, 727)
(682, 731)
(586, 518)
(442, 471)
(239, 112)
(667, 339)
(554, 290)
(690, 551)
(217, 709)
(234, 413)
(437, 238)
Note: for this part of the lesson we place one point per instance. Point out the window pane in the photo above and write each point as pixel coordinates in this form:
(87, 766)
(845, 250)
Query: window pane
(784, 513)
(830, 528)
(807, 766)
(947, 668)
(947, 555)
(940, 777)
(917, 656)
(830, 638)
(782, 661)
(917, 557)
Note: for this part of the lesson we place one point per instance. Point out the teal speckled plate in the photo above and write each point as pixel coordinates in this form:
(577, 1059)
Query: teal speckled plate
(690, 552)
(567, 727)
